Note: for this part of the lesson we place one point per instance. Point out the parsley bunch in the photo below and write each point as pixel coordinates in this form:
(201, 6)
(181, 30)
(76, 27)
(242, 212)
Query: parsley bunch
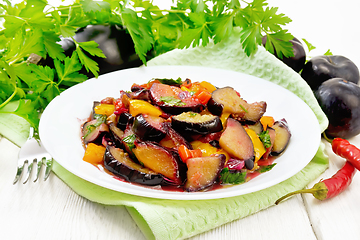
(32, 29)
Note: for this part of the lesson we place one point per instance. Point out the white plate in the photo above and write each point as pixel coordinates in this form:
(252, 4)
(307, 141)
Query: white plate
(60, 126)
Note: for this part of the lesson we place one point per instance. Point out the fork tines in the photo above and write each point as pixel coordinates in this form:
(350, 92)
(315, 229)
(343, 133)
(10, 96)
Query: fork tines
(32, 151)
(39, 163)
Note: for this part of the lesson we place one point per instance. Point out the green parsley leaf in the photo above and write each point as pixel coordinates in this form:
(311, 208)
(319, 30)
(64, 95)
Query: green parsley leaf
(129, 141)
(199, 34)
(171, 101)
(243, 108)
(22, 108)
(170, 81)
(92, 48)
(227, 177)
(328, 53)
(90, 65)
(267, 168)
(94, 6)
(100, 119)
(223, 26)
(51, 45)
(68, 73)
(140, 31)
(265, 138)
(309, 45)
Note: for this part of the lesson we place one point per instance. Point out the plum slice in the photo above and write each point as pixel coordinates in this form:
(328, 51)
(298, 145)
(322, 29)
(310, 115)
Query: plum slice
(282, 137)
(173, 139)
(119, 163)
(196, 123)
(235, 141)
(227, 100)
(160, 159)
(173, 100)
(203, 171)
(148, 127)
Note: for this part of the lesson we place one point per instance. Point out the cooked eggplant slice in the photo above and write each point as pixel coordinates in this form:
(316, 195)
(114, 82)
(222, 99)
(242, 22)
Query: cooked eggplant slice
(141, 94)
(257, 127)
(235, 141)
(124, 119)
(227, 100)
(196, 123)
(161, 160)
(282, 137)
(117, 134)
(172, 100)
(203, 172)
(148, 127)
(94, 130)
(119, 163)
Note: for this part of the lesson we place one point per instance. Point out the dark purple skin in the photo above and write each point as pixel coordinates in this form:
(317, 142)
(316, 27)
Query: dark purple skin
(144, 129)
(321, 68)
(203, 128)
(115, 165)
(296, 62)
(124, 119)
(340, 101)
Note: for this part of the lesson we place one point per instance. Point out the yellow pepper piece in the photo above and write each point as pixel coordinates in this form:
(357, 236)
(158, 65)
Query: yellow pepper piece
(207, 149)
(140, 106)
(267, 121)
(185, 89)
(224, 116)
(104, 109)
(94, 154)
(208, 86)
(259, 148)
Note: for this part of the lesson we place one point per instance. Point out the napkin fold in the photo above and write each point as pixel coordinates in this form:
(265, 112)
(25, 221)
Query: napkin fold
(175, 219)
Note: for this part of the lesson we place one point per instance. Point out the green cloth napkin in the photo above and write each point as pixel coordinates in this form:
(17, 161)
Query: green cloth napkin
(171, 219)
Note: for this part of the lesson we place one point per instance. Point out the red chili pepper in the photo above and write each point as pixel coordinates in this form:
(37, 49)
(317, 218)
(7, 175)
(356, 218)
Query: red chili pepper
(346, 150)
(330, 187)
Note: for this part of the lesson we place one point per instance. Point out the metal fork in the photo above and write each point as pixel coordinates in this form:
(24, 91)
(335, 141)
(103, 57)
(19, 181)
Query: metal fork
(32, 151)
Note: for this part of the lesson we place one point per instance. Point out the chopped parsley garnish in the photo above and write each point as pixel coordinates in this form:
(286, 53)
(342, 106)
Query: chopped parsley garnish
(171, 101)
(99, 120)
(267, 168)
(242, 107)
(265, 138)
(129, 141)
(170, 81)
(232, 177)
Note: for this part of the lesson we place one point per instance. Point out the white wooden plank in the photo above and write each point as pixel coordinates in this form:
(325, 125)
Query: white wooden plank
(51, 209)
(288, 220)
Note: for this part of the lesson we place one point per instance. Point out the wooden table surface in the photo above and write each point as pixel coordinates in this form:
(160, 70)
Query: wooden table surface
(51, 210)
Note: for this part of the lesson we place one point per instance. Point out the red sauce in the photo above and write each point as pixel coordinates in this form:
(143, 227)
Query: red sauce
(173, 188)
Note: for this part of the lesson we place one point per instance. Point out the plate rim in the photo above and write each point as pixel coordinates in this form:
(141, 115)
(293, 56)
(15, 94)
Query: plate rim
(165, 194)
